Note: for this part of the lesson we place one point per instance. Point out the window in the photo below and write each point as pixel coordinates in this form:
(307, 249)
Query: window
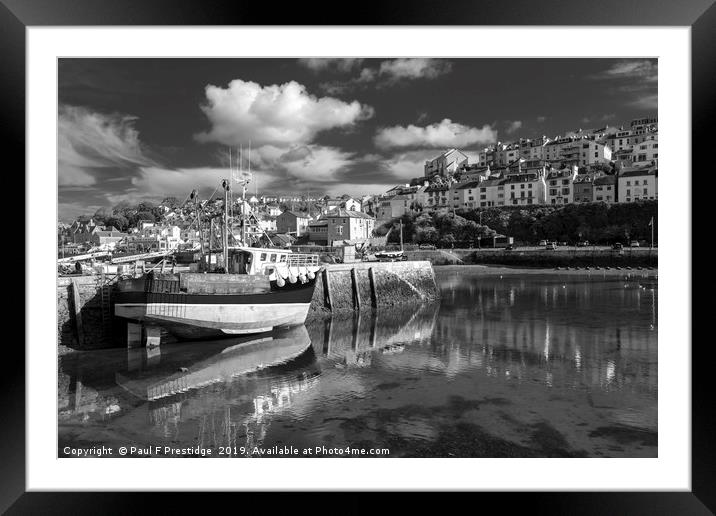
(273, 258)
(263, 257)
(339, 230)
(636, 183)
(565, 191)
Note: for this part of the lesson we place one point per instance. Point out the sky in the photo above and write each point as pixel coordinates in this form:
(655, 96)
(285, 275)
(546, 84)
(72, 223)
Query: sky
(144, 129)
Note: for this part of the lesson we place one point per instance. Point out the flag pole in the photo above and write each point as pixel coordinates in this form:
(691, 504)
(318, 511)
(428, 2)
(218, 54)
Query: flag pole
(652, 232)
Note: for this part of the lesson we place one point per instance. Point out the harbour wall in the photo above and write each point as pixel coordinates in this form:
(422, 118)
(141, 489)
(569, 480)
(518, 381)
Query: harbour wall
(347, 287)
(84, 311)
(540, 257)
(82, 321)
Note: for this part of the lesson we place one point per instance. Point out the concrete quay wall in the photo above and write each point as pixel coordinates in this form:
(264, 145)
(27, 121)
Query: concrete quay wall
(83, 301)
(366, 285)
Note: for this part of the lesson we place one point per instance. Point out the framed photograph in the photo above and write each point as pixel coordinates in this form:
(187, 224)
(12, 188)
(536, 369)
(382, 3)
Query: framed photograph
(429, 238)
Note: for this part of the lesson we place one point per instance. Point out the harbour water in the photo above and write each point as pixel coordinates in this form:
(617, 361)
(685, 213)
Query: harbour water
(508, 364)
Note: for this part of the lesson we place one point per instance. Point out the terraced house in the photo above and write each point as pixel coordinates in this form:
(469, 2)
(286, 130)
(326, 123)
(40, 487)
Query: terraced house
(560, 185)
(348, 225)
(605, 189)
(524, 189)
(638, 184)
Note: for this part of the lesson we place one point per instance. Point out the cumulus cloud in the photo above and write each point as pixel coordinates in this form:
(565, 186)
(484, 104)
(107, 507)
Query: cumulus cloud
(413, 68)
(276, 115)
(514, 126)
(89, 140)
(340, 64)
(444, 134)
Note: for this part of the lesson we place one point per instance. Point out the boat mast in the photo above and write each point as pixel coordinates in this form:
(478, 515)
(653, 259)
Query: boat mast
(227, 187)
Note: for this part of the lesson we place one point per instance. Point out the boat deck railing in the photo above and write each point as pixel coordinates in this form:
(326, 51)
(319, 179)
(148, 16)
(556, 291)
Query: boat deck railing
(302, 260)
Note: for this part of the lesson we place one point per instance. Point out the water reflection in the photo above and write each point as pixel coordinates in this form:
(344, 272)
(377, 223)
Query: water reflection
(579, 352)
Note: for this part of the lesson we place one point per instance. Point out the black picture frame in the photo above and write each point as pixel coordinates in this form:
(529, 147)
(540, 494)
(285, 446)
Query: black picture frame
(700, 15)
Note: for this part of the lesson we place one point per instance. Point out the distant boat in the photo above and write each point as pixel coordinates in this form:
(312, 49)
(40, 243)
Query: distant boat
(390, 256)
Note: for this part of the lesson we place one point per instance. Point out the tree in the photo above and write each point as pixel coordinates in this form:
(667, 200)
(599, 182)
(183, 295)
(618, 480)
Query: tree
(118, 221)
(170, 202)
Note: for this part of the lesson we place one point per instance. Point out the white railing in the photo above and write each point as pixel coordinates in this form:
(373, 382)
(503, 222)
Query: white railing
(302, 260)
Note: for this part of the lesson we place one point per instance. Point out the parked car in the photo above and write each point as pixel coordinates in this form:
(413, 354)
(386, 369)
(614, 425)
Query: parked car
(618, 246)
(551, 246)
(542, 243)
(634, 243)
(583, 243)
(426, 246)
(509, 247)
(563, 243)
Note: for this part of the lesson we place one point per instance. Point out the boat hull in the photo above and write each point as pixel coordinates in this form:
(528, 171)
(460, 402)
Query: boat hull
(196, 316)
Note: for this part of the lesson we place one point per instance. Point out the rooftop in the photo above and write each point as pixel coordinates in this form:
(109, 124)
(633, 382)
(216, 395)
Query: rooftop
(341, 212)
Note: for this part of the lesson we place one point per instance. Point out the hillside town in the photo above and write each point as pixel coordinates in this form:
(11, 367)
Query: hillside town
(611, 165)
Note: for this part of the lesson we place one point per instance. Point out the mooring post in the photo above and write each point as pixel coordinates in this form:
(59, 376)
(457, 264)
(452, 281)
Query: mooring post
(373, 329)
(356, 331)
(373, 294)
(78, 312)
(327, 289)
(354, 283)
(327, 334)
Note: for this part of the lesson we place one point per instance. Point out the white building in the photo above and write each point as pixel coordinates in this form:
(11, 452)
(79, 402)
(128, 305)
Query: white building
(524, 189)
(393, 207)
(638, 184)
(560, 189)
(447, 162)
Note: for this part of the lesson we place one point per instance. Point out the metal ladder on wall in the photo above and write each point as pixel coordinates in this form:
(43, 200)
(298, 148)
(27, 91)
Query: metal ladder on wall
(106, 307)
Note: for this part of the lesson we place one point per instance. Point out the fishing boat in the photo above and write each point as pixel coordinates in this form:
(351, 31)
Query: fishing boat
(237, 290)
